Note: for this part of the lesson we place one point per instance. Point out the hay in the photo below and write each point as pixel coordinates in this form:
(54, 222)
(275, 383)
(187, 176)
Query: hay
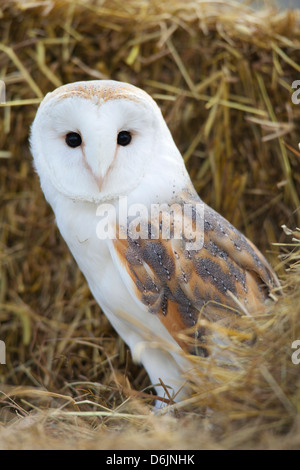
(222, 74)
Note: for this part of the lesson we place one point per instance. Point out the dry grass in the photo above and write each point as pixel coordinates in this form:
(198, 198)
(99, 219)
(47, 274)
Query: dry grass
(222, 74)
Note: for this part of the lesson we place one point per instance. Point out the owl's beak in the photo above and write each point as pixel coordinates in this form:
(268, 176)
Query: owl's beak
(100, 178)
(99, 182)
(96, 173)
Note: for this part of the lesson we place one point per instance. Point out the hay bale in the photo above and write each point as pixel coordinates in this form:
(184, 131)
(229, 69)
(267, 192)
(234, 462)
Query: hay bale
(222, 74)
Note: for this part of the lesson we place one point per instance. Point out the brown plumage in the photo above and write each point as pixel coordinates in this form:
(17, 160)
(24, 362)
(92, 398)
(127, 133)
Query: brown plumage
(224, 279)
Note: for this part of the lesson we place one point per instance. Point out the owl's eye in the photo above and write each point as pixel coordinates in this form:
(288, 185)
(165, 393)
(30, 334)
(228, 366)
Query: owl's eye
(124, 138)
(73, 139)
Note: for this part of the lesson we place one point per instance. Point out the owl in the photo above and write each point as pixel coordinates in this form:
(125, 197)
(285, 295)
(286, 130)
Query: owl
(157, 259)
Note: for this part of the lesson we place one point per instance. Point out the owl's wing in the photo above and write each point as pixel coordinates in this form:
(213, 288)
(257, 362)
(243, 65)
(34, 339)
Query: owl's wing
(222, 279)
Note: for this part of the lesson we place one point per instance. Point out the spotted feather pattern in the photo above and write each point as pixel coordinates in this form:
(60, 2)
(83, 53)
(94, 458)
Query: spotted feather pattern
(219, 282)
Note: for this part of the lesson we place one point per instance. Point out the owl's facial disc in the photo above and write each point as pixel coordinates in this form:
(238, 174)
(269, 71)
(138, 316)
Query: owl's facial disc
(96, 139)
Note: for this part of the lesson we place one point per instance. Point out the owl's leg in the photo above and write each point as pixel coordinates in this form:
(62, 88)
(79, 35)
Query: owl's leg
(164, 365)
(164, 371)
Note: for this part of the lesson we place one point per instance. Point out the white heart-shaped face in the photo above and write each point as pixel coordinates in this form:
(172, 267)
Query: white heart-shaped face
(96, 140)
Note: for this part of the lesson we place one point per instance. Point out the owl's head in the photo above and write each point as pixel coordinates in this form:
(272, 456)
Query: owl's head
(95, 140)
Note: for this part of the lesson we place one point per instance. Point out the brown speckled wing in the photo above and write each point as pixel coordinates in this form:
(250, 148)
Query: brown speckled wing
(226, 278)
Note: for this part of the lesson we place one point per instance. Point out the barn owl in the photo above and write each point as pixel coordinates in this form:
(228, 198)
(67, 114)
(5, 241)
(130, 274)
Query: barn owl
(102, 151)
